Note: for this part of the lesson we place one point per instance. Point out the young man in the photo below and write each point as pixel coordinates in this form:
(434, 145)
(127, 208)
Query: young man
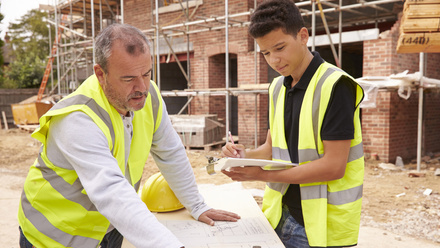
(81, 190)
(314, 122)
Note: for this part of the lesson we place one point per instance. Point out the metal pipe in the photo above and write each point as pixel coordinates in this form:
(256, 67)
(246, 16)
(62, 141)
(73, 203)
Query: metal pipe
(188, 62)
(57, 43)
(63, 63)
(122, 11)
(328, 34)
(100, 15)
(85, 19)
(73, 73)
(67, 29)
(110, 9)
(227, 69)
(256, 82)
(205, 29)
(50, 54)
(186, 104)
(196, 92)
(157, 45)
(420, 113)
(357, 5)
(87, 42)
(313, 24)
(340, 34)
(93, 28)
(152, 51)
(212, 19)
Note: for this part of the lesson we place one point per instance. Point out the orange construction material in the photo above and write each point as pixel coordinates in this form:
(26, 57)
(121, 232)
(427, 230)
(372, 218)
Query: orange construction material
(29, 113)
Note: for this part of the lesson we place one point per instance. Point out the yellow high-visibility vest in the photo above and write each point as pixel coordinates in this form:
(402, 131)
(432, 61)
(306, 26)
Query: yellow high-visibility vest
(55, 210)
(332, 209)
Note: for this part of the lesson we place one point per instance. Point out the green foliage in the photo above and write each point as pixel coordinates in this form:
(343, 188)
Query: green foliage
(30, 48)
(2, 43)
(25, 73)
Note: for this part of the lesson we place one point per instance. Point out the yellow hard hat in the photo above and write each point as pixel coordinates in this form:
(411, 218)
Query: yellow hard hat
(158, 196)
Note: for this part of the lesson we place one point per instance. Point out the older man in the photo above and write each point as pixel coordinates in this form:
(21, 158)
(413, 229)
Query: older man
(81, 190)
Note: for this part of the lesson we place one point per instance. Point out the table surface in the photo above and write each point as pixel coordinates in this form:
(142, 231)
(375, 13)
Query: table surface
(251, 231)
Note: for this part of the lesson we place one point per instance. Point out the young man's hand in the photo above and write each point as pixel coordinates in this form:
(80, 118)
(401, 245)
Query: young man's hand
(245, 173)
(233, 150)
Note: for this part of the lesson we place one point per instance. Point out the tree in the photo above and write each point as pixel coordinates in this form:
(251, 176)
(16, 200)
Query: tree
(1, 49)
(30, 47)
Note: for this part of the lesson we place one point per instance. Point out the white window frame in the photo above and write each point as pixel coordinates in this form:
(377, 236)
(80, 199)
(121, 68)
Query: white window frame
(176, 6)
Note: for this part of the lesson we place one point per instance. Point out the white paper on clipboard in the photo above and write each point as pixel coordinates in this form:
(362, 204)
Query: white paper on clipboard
(226, 163)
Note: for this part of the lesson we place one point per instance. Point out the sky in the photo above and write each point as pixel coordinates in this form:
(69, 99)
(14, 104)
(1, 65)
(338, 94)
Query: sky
(13, 10)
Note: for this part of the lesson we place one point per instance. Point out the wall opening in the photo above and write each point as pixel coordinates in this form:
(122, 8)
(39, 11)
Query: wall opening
(172, 79)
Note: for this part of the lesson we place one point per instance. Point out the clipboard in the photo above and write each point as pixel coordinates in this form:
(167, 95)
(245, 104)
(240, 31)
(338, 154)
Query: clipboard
(226, 163)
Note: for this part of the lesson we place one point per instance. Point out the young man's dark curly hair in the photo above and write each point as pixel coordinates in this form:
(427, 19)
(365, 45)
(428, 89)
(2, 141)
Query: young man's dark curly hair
(273, 14)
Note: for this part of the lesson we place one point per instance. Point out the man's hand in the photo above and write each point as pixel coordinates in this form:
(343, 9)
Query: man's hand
(233, 150)
(211, 215)
(245, 173)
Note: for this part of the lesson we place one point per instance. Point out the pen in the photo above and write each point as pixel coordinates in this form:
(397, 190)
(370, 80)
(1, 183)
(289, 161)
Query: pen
(230, 137)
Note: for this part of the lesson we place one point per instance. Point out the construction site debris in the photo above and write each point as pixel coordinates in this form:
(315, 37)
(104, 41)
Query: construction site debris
(389, 166)
(427, 191)
(416, 174)
(437, 172)
(198, 130)
(401, 194)
(399, 162)
(5, 121)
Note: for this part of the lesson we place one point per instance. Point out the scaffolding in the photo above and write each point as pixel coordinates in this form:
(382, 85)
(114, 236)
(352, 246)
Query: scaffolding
(85, 18)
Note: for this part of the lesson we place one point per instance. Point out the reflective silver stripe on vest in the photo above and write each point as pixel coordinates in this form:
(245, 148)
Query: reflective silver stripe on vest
(277, 152)
(155, 104)
(137, 185)
(280, 187)
(356, 152)
(334, 198)
(91, 103)
(41, 223)
(280, 153)
(305, 155)
(69, 192)
(276, 92)
(316, 103)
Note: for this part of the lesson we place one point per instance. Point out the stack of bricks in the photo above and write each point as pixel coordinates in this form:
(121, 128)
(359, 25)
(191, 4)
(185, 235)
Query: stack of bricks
(420, 28)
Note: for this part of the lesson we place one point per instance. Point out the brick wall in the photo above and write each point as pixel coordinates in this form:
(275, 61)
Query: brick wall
(208, 63)
(431, 113)
(390, 130)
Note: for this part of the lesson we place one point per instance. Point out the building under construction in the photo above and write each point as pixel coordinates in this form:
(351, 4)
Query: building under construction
(206, 63)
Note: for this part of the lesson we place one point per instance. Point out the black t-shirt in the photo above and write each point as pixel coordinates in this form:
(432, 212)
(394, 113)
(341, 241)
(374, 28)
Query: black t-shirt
(337, 124)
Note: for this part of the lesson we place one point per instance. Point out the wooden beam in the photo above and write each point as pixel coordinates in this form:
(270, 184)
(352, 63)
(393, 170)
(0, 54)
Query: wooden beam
(421, 25)
(421, 11)
(419, 42)
(5, 121)
(421, 1)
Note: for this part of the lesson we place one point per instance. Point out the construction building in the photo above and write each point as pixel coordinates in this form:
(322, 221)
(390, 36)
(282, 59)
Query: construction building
(206, 63)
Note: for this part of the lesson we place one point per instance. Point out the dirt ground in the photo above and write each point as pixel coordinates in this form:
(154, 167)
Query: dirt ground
(394, 202)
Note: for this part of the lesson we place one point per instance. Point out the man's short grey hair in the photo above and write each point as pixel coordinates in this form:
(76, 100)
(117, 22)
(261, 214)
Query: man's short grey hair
(134, 41)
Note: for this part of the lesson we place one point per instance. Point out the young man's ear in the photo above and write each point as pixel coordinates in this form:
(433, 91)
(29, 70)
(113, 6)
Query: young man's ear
(304, 35)
(100, 74)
